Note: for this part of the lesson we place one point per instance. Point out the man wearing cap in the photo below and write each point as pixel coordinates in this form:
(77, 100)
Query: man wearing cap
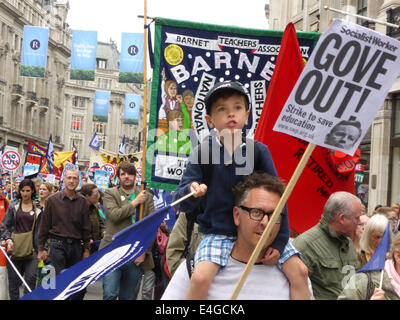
(233, 158)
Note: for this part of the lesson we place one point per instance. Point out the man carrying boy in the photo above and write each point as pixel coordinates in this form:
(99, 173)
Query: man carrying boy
(256, 198)
(227, 107)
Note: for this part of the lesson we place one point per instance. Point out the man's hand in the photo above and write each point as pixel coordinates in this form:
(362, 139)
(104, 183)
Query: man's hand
(140, 198)
(271, 257)
(42, 255)
(140, 259)
(200, 189)
(86, 253)
(379, 294)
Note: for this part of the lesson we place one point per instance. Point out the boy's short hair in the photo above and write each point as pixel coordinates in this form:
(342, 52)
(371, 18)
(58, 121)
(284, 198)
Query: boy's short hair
(127, 167)
(225, 89)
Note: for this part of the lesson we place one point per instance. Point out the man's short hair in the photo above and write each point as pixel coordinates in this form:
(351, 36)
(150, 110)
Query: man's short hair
(127, 167)
(339, 202)
(87, 189)
(36, 180)
(257, 180)
(384, 210)
(356, 124)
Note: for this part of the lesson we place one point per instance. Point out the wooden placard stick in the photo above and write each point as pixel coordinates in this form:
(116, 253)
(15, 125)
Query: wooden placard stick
(144, 108)
(274, 218)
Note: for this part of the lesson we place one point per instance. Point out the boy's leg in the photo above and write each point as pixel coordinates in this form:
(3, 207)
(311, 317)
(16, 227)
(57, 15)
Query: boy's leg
(297, 273)
(202, 277)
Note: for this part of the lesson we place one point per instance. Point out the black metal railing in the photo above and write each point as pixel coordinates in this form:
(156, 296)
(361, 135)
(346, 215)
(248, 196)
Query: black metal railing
(393, 16)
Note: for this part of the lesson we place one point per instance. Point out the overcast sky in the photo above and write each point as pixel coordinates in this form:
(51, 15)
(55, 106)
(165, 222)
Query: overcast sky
(110, 18)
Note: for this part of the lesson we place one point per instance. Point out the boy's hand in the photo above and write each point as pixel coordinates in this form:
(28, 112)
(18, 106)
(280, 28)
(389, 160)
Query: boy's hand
(271, 256)
(200, 189)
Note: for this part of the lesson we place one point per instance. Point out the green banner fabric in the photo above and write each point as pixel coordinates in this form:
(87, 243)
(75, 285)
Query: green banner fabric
(189, 58)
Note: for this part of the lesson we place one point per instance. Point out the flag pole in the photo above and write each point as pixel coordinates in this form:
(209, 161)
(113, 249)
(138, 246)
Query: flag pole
(272, 221)
(362, 17)
(15, 269)
(171, 205)
(142, 186)
(381, 281)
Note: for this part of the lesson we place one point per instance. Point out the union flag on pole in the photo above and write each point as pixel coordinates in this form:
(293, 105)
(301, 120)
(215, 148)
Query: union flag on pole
(323, 174)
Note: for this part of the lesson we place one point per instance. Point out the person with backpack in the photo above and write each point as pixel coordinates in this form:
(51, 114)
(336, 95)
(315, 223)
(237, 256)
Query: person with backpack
(183, 241)
(227, 108)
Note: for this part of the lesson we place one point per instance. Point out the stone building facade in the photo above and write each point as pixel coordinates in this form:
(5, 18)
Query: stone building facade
(34, 108)
(378, 178)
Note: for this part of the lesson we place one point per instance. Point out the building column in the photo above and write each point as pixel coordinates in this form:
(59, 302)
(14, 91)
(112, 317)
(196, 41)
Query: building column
(380, 158)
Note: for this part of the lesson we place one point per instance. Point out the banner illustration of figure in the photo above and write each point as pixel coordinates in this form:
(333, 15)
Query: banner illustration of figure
(189, 58)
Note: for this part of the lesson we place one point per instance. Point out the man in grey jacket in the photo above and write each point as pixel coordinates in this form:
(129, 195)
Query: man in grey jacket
(121, 204)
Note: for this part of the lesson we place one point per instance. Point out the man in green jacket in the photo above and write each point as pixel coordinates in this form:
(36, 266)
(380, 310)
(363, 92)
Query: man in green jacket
(120, 204)
(327, 250)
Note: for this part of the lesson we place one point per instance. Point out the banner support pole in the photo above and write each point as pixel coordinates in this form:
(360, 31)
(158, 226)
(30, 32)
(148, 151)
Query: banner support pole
(15, 269)
(273, 219)
(142, 186)
(362, 17)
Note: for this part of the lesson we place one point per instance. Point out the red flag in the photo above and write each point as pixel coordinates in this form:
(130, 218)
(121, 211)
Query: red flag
(324, 172)
(34, 148)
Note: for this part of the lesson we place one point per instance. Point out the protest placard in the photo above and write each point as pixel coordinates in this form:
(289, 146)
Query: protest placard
(342, 87)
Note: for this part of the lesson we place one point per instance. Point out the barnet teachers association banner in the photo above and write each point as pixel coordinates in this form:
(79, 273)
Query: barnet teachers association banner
(189, 58)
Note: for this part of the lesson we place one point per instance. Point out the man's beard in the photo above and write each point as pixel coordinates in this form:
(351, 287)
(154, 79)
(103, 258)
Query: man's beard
(127, 185)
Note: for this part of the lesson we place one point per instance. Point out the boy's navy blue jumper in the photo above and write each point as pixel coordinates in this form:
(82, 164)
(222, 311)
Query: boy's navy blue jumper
(218, 202)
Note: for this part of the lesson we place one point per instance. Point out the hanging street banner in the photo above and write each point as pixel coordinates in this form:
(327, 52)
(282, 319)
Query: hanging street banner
(101, 104)
(189, 58)
(83, 55)
(132, 108)
(34, 52)
(342, 87)
(131, 68)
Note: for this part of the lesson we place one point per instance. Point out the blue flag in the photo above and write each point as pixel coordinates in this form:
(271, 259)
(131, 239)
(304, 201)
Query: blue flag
(377, 261)
(95, 143)
(75, 160)
(50, 155)
(128, 245)
(163, 198)
(122, 146)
